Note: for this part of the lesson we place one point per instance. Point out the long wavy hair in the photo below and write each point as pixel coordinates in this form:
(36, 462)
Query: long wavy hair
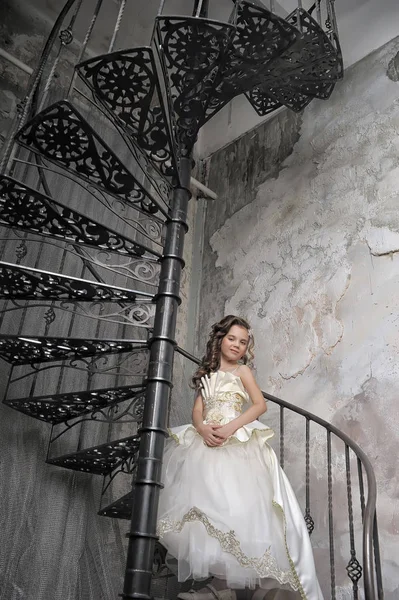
(211, 361)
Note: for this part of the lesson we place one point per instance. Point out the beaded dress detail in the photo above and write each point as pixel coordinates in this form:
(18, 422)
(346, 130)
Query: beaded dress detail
(229, 511)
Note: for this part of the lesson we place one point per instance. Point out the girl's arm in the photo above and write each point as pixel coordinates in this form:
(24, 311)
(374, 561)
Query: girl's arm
(253, 412)
(206, 431)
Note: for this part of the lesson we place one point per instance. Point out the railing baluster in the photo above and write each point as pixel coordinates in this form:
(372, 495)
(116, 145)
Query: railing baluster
(117, 25)
(330, 516)
(198, 8)
(308, 517)
(84, 45)
(282, 436)
(377, 560)
(272, 6)
(361, 486)
(161, 6)
(318, 12)
(298, 16)
(353, 567)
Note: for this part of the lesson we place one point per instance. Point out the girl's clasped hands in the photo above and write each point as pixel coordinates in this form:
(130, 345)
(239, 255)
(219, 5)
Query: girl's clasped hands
(216, 435)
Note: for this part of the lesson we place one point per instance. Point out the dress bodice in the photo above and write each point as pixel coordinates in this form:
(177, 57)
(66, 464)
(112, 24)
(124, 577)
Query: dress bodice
(224, 396)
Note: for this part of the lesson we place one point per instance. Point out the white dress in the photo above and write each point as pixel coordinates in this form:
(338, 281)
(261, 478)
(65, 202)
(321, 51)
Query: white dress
(229, 511)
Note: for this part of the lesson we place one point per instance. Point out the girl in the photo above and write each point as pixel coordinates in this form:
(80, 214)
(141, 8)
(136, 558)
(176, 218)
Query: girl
(227, 509)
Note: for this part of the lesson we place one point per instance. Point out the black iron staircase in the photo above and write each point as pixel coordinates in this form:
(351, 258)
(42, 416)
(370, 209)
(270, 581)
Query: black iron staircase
(157, 99)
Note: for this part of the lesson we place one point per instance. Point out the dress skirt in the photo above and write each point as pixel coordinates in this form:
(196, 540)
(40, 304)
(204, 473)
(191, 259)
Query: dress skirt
(230, 512)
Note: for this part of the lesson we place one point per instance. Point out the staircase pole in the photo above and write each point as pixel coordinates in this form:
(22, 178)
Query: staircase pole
(147, 484)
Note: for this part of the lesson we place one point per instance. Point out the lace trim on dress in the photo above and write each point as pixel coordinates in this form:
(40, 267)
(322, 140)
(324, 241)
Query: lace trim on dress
(265, 566)
(214, 407)
(293, 570)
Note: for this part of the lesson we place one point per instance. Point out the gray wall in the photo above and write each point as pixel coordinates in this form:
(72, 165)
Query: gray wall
(304, 241)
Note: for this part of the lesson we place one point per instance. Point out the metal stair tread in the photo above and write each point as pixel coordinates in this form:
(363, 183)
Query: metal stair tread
(62, 135)
(119, 509)
(27, 209)
(22, 350)
(29, 283)
(60, 408)
(142, 115)
(99, 460)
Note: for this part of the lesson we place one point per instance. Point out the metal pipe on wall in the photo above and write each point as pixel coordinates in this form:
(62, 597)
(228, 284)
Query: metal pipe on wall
(15, 61)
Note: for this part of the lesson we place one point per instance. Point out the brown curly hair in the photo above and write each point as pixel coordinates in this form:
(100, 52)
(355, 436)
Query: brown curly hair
(211, 361)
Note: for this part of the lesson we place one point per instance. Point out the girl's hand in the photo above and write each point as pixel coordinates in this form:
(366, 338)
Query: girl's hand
(208, 433)
(225, 431)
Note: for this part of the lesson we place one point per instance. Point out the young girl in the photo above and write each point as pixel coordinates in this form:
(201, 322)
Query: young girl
(227, 509)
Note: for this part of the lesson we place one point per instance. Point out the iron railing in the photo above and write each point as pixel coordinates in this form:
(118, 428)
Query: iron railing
(369, 572)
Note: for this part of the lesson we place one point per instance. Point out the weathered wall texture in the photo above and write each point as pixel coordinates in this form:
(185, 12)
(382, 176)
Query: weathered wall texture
(306, 245)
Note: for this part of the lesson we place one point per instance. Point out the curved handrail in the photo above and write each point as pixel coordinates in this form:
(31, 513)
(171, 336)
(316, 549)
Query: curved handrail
(370, 533)
(371, 504)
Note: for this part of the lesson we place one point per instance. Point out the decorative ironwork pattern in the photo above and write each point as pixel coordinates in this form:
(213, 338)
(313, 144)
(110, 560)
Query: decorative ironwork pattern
(354, 570)
(99, 460)
(126, 85)
(313, 52)
(26, 283)
(19, 350)
(308, 68)
(262, 102)
(23, 208)
(63, 136)
(59, 408)
(308, 517)
(191, 54)
(260, 37)
(143, 271)
(309, 522)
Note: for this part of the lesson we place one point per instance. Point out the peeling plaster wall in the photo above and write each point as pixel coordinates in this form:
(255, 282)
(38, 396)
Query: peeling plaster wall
(304, 241)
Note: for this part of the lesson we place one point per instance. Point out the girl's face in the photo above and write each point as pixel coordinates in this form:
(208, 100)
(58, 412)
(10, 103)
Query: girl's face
(234, 344)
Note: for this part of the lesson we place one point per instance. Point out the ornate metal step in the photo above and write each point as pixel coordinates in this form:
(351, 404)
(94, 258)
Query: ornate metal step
(120, 509)
(27, 283)
(308, 69)
(313, 57)
(191, 52)
(18, 350)
(22, 207)
(126, 85)
(201, 82)
(59, 408)
(61, 135)
(100, 460)
(260, 37)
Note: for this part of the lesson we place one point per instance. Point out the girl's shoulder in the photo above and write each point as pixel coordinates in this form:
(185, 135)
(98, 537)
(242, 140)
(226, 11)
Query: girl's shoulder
(245, 373)
(243, 370)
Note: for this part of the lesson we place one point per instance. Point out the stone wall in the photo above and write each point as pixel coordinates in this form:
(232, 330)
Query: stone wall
(304, 241)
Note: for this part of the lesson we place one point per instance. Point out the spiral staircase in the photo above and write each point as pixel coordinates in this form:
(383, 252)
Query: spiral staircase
(157, 98)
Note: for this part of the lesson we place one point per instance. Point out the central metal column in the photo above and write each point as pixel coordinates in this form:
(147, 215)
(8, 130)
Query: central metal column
(147, 485)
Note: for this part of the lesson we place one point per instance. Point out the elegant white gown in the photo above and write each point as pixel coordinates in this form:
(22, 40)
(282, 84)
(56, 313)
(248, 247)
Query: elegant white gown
(229, 511)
